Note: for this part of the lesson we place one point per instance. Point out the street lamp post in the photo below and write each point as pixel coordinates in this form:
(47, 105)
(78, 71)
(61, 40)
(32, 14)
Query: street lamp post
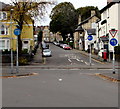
(11, 46)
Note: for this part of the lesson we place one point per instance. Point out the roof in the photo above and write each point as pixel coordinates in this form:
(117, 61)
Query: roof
(104, 39)
(86, 20)
(91, 31)
(109, 5)
(79, 28)
(3, 6)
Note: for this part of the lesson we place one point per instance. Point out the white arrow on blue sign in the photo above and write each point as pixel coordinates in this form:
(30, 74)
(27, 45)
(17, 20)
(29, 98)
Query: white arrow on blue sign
(90, 37)
(17, 32)
(113, 42)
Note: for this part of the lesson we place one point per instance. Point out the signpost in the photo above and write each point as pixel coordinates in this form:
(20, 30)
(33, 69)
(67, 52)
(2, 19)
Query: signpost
(113, 42)
(90, 38)
(17, 32)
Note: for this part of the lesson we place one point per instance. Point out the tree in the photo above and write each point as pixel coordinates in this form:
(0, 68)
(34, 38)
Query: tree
(26, 10)
(85, 12)
(40, 35)
(64, 19)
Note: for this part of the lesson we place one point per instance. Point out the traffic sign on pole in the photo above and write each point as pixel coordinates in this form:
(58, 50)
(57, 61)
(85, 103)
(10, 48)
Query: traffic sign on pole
(90, 37)
(17, 31)
(113, 42)
(113, 32)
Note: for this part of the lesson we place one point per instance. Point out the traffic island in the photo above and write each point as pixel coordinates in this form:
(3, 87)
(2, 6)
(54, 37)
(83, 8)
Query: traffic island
(108, 76)
(15, 75)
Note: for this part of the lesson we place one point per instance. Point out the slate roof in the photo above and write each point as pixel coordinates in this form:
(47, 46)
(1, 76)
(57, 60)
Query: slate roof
(3, 6)
(79, 28)
(91, 31)
(104, 39)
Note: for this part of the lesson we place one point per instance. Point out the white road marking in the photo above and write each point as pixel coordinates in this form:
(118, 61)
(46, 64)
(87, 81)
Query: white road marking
(87, 63)
(81, 60)
(69, 60)
(60, 79)
(77, 59)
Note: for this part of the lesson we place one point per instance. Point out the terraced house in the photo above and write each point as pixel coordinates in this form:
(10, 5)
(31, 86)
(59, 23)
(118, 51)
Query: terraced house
(7, 26)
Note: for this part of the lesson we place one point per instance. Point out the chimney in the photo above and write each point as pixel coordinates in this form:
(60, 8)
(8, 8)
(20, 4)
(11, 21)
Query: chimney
(108, 1)
(79, 19)
(93, 12)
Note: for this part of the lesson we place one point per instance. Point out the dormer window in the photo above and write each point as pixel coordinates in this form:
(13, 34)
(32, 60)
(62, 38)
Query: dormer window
(3, 16)
(3, 29)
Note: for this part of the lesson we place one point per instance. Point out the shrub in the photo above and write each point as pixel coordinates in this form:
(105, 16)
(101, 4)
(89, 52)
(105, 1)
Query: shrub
(6, 51)
(24, 51)
(23, 61)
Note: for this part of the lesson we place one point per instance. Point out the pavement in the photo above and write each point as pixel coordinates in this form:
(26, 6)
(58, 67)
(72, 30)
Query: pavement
(8, 72)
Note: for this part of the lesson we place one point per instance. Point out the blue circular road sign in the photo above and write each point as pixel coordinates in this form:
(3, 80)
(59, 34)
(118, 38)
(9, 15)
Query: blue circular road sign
(113, 42)
(17, 32)
(90, 37)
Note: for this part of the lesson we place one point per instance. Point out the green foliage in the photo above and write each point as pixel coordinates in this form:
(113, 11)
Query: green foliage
(117, 50)
(6, 51)
(85, 12)
(64, 19)
(24, 51)
(40, 35)
(23, 61)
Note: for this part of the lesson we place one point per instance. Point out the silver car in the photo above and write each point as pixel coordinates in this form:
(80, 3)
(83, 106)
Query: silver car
(46, 53)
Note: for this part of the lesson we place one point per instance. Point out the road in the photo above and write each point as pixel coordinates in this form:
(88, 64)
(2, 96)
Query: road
(61, 57)
(55, 87)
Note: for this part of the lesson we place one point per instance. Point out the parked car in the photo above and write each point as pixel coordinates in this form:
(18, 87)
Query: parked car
(46, 53)
(62, 45)
(56, 43)
(67, 47)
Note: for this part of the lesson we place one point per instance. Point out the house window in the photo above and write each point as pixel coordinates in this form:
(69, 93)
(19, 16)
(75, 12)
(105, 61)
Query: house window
(8, 44)
(3, 16)
(0, 16)
(2, 44)
(3, 30)
(25, 42)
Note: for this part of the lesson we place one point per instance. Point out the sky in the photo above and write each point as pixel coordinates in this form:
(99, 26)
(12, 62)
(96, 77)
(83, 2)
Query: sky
(76, 4)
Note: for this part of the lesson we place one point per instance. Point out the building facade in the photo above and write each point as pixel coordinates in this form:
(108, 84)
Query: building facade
(110, 15)
(8, 40)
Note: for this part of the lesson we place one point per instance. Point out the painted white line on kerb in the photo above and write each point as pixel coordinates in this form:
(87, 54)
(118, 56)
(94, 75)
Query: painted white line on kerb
(77, 59)
(69, 60)
(81, 60)
(86, 63)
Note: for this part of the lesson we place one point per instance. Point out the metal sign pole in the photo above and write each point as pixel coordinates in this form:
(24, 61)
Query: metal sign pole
(90, 55)
(113, 60)
(17, 64)
(90, 38)
(113, 42)
(17, 32)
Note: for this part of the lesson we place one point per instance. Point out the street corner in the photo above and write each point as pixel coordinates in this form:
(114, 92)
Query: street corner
(16, 75)
(107, 77)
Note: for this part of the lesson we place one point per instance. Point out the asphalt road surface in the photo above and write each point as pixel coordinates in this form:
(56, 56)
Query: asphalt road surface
(60, 87)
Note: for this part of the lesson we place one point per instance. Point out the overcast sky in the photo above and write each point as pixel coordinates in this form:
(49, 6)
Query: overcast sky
(82, 3)
(76, 4)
